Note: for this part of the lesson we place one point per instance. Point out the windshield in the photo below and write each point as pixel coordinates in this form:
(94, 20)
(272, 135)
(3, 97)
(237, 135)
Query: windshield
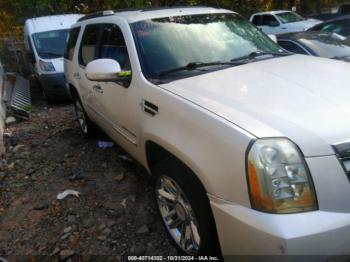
(329, 47)
(50, 44)
(289, 17)
(173, 42)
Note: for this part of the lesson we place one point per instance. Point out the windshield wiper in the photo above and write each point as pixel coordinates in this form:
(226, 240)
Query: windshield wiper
(196, 65)
(256, 54)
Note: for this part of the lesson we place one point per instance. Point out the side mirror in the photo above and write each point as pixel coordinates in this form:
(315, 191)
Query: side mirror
(273, 38)
(103, 70)
(31, 57)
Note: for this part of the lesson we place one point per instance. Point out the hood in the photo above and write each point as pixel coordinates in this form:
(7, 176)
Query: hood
(310, 23)
(306, 24)
(304, 98)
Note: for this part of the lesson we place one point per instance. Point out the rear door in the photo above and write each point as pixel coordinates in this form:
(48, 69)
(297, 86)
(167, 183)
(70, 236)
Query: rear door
(69, 55)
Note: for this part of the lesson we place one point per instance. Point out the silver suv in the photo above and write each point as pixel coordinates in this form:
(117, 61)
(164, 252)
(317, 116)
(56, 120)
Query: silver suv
(249, 145)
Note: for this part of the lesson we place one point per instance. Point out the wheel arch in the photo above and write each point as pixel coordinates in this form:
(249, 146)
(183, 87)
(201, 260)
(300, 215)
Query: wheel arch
(156, 153)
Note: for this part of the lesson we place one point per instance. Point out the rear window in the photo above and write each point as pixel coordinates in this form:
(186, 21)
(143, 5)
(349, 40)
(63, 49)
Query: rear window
(72, 41)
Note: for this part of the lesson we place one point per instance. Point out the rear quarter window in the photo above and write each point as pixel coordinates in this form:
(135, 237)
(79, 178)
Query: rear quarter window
(72, 41)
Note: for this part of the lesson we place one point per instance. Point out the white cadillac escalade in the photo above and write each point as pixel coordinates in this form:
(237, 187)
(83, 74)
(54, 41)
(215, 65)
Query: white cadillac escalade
(249, 145)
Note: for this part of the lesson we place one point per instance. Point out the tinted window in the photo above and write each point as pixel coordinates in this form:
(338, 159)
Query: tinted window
(72, 41)
(257, 20)
(50, 44)
(292, 47)
(269, 20)
(113, 46)
(88, 44)
(340, 27)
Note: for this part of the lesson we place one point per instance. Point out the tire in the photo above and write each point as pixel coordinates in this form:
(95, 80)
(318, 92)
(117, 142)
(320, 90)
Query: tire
(86, 126)
(191, 207)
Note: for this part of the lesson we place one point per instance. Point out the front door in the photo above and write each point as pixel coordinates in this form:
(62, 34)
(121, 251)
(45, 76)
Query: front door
(118, 101)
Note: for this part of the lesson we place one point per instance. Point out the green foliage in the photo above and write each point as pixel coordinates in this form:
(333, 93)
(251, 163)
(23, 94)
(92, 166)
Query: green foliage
(15, 12)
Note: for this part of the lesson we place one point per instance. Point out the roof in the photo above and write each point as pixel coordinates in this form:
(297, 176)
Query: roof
(276, 12)
(135, 15)
(49, 23)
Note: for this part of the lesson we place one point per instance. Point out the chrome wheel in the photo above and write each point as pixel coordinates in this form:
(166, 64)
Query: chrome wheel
(81, 117)
(178, 215)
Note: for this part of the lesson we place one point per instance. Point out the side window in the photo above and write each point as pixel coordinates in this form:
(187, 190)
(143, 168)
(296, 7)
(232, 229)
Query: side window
(269, 20)
(113, 46)
(292, 47)
(72, 41)
(257, 20)
(339, 27)
(87, 51)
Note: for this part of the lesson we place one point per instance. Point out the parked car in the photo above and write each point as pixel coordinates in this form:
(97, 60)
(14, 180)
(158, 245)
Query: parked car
(247, 143)
(45, 41)
(280, 22)
(336, 12)
(340, 26)
(322, 44)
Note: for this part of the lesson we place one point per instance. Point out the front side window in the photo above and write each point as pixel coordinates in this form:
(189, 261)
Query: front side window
(172, 42)
(87, 51)
(289, 17)
(113, 46)
(269, 20)
(50, 44)
(72, 41)
(257, 20)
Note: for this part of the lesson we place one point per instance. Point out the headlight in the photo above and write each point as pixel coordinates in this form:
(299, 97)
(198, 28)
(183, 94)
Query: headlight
(46, 66)
(279, 180)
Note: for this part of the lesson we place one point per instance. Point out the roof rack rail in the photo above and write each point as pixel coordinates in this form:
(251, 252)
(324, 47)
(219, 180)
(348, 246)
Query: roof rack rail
(97, 14)
(145, 9)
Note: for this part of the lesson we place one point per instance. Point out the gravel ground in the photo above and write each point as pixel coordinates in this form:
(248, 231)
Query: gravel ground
(114, 215)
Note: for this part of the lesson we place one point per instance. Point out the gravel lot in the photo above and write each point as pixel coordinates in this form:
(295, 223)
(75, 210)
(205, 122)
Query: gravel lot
(114, 216)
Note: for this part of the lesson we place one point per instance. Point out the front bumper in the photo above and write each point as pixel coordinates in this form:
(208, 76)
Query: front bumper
(54, 85)
(243, 231)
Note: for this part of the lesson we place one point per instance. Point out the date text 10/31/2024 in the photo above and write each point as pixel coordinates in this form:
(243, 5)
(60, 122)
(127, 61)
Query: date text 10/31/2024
(172, 258)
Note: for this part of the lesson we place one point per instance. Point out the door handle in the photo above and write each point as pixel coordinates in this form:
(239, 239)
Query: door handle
(98, 88)
(76, 75)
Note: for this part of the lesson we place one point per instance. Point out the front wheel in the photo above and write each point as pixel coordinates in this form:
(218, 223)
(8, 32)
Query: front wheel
(185, 210)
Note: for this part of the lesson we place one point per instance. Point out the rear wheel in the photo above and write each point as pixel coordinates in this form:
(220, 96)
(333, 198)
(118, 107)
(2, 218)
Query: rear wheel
(86, 126)
(185, 210)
